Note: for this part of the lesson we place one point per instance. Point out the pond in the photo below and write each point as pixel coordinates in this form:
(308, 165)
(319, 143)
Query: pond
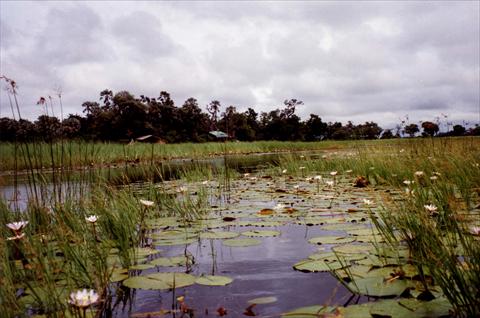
(277, 218)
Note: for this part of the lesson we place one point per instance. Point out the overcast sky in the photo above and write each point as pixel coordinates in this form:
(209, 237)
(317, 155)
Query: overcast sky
(358, 61)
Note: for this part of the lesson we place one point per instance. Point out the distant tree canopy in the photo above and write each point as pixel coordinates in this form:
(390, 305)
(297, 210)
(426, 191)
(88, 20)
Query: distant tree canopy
(122, 116)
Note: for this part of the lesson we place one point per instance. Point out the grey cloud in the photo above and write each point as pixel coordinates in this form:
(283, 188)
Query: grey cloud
(142, 33)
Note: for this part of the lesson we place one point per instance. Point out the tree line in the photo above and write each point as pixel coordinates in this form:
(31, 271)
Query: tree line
(122, 116)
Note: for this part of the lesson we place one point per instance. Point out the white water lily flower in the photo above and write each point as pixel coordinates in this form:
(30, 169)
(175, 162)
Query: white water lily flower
(432, 209)
(308, 179)
(409, 192)
(182, 189)
(279, 206)
(17, 226)
(419, 173)
(318, 177)
(330, 183)
(205, 182)
(146, 202)
(433, 178)
(475, 230)
(83, 298)
(91, 218)
(324, 156)
(402, 150)
(296, 186)
(349, 171)
(284, 171)
(333, 173)
(367, 202)
(408, 182)
(246, 175)
(302, 168)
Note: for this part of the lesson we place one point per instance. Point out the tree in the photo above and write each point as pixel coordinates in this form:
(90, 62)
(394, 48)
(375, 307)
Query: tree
(429, 128)
(315, 128)
(213, 109)
(290, 107)
(411, 130)
(458, 130)
(387, 134)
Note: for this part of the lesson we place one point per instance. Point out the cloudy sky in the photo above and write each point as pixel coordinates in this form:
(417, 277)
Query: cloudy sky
(354, 61)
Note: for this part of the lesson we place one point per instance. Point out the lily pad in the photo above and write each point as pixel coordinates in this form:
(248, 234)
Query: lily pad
(263, 300)
(218, 235)
(140, 267)
(330, 240)
(410, 308)
(309, 311)
(352, 248)
(309, 265)
(210, 280)
(241, 242)
(173, 261)
(378, 287)
(173, 279)
(174, 242)
(257, 233)
(143, 282)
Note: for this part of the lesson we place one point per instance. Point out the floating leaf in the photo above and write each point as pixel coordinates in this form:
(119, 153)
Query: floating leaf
(174, 279)
(143, 282)
(263, 300)
(257, 233)
(378, 287)
(330, 240)
(213, 280)
(309, 265)
(173, 261)
(352, 248)
(141, 267)
(241, 242)
(266, 212)
(174, 242)
(218, 235)
(309, 312)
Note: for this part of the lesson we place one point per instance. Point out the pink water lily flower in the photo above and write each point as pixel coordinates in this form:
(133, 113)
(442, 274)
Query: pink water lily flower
(17, 226)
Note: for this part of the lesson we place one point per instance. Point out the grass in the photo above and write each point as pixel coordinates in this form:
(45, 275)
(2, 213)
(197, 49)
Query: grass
(62, 252)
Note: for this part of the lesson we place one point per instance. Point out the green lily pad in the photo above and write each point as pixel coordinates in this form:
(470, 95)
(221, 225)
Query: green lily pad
(218, 235)
(210, 280)
(354, 311)
(330, 240)
(173, 261)
(410, 308)
(352, 248)
(142, 252)
(377, 287)
(309, 265)
(257, 233)
(263, 300)
(141, 267)
(173, 279)
(143, 282)
(241, 242)
(342, 227)
(309, 311)
(174, 242)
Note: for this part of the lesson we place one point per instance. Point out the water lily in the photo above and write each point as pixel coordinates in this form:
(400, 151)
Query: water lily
(475, 230)
(146, 202)
(205, 182)
(318, 178)
(83, 298)
(296, 187)
(409, 192)
(302, 168)
(182, 189)
(333, 173)
(349, 171)
(284, 171)
(408, 182)
(367, 202)
(91, 218)
(279, 206)
(246, 175)
(330, 183)
(433, 178)
(432, 209)
(17, 226)
(419, 173)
